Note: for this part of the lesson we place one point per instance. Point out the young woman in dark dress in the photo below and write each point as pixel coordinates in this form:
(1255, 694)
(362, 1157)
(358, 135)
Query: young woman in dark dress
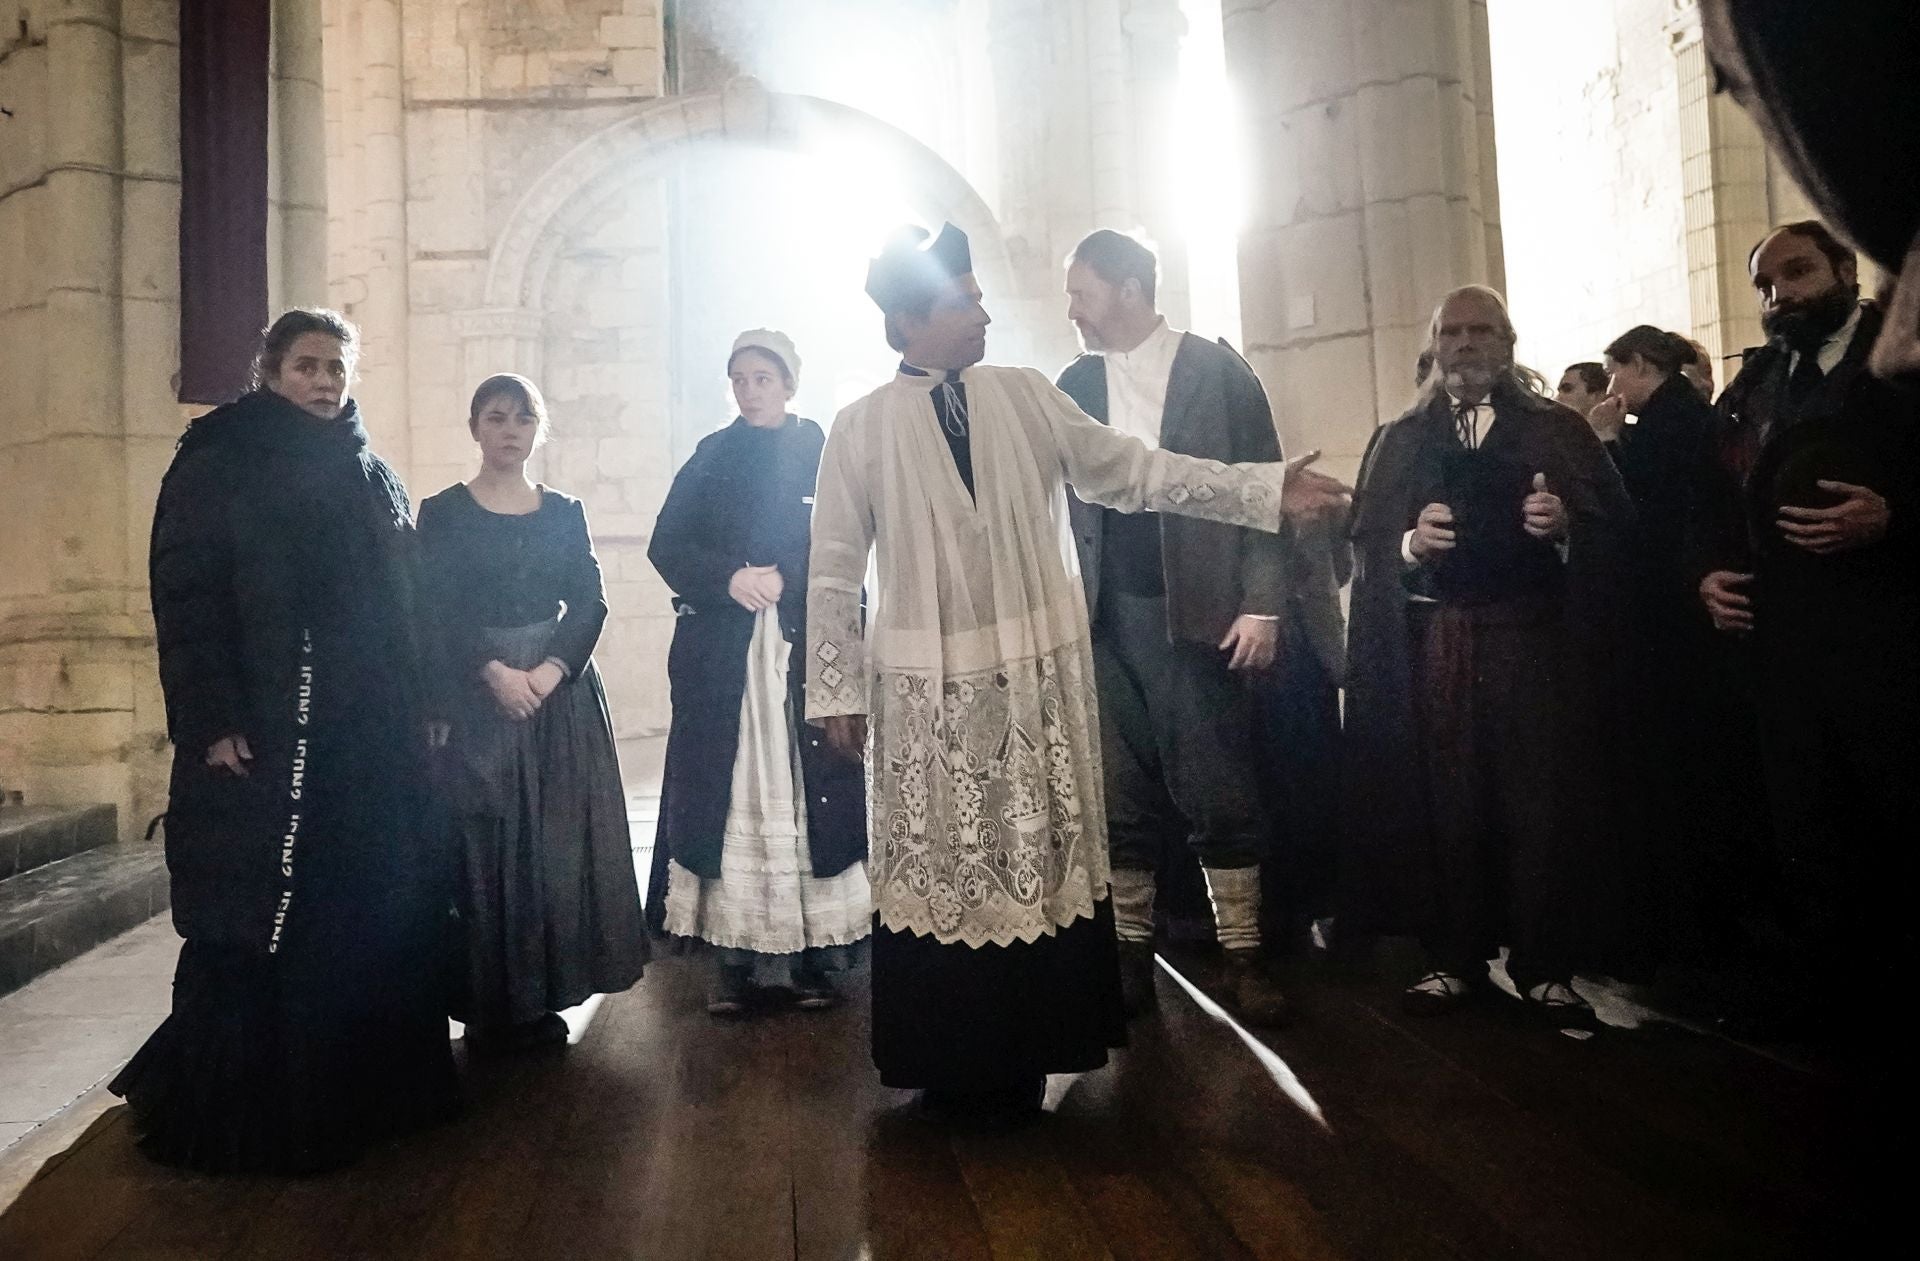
(548, 897)
(762, 841)
(307, 1016)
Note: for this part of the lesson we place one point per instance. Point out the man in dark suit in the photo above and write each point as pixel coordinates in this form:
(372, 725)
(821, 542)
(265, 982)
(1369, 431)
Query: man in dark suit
(1182, 612)
(1806, 556)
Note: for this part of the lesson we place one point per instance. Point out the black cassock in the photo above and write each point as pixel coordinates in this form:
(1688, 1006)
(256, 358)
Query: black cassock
(745, 497)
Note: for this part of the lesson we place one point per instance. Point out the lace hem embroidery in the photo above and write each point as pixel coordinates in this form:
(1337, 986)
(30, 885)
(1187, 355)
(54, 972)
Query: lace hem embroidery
(987, 823)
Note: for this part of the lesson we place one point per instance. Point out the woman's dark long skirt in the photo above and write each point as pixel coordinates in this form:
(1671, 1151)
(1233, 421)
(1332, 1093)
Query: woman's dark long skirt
(548, 898)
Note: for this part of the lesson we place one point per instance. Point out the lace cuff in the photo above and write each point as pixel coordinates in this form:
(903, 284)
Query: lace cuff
(836, 653)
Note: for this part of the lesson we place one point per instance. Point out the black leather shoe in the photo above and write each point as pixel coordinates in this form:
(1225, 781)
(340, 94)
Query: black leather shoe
(814, 991)
(732, 991)
(1137, 994)
(1252, 995)
(1435, 994)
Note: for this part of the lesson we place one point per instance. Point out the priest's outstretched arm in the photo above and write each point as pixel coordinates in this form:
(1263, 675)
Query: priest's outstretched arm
(1118, 471)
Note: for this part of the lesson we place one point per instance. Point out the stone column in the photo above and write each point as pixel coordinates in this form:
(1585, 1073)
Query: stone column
(1733, 193)
(82, 242)
(1373, 194)
(1155, 30)
(362, 142)
(297, 174)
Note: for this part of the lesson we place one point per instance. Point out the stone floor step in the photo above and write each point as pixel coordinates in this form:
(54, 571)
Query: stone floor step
(33, 836)
(61, 909)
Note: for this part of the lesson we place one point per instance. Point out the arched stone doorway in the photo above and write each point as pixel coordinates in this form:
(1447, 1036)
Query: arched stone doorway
(610, 283)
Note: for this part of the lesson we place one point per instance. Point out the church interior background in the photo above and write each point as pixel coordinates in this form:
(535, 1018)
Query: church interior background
(600, 193)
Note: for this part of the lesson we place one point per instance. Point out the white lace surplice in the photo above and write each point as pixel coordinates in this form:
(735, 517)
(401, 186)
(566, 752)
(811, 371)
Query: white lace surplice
(767, 898)
(986, 820)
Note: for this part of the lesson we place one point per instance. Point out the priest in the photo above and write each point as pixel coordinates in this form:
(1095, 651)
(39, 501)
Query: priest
(994, 960)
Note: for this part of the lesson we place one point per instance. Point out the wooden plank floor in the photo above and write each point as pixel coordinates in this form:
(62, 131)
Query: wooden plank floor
(665, 1134)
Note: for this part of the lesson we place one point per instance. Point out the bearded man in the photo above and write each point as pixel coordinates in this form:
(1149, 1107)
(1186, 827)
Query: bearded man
(1809, 557)
(1489, 530)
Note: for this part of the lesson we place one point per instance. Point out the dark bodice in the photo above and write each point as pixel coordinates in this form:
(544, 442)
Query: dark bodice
(502, 570)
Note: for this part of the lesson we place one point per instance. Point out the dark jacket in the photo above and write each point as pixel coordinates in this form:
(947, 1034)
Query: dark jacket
(745, 497)
(282, 577)
(1658, 458)
(1215, 409)
(1388, 869)
(1765, 453)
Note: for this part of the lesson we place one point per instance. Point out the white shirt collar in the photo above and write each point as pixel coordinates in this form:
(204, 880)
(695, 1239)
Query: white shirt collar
(1160, 342)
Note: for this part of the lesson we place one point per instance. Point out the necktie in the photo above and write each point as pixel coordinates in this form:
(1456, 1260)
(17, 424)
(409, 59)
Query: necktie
(1466, 425)
(1805, 378)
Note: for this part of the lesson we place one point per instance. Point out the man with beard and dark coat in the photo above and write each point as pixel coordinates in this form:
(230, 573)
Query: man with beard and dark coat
(312, 894)
(1489, 532)
(1809, 554)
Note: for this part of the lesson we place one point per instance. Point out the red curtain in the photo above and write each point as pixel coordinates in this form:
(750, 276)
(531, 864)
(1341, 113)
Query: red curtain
(225, 47)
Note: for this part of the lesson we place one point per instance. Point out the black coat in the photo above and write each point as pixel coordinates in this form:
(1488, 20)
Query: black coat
(1854, 612)
(744, 498)
(1387, 871)
(281, 570)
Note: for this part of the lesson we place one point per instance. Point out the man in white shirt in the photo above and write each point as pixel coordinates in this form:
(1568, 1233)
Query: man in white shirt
(1183, 613)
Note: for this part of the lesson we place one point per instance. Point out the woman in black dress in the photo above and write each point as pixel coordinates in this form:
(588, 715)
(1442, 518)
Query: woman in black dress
(1674, 774)
(763, 838)
(548, 896)
(307, 1016)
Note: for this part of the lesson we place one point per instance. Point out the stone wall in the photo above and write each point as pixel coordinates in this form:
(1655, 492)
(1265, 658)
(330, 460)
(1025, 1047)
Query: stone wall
(89, 172)
(89, 348)
(1629, 194)
(1374, 193)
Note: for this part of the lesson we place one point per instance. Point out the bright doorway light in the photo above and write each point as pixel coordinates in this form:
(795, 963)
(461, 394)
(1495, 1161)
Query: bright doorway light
(1210, 163)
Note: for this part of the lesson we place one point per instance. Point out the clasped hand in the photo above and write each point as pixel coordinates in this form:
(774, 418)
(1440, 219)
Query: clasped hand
(757, 587)
(520, 693)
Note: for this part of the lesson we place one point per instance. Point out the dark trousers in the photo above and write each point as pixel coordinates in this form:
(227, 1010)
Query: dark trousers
(1177, 737)
(1487, 682)
(1840, 732)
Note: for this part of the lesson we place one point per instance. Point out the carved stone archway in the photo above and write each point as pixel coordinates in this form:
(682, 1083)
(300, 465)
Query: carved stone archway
(509, 324)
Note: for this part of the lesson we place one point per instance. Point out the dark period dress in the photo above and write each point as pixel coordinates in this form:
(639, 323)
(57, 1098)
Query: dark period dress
(548, 897)
(307, 1007)
(732, 839)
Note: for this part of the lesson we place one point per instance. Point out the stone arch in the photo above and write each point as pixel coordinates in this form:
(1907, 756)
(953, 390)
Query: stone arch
(515, 292)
